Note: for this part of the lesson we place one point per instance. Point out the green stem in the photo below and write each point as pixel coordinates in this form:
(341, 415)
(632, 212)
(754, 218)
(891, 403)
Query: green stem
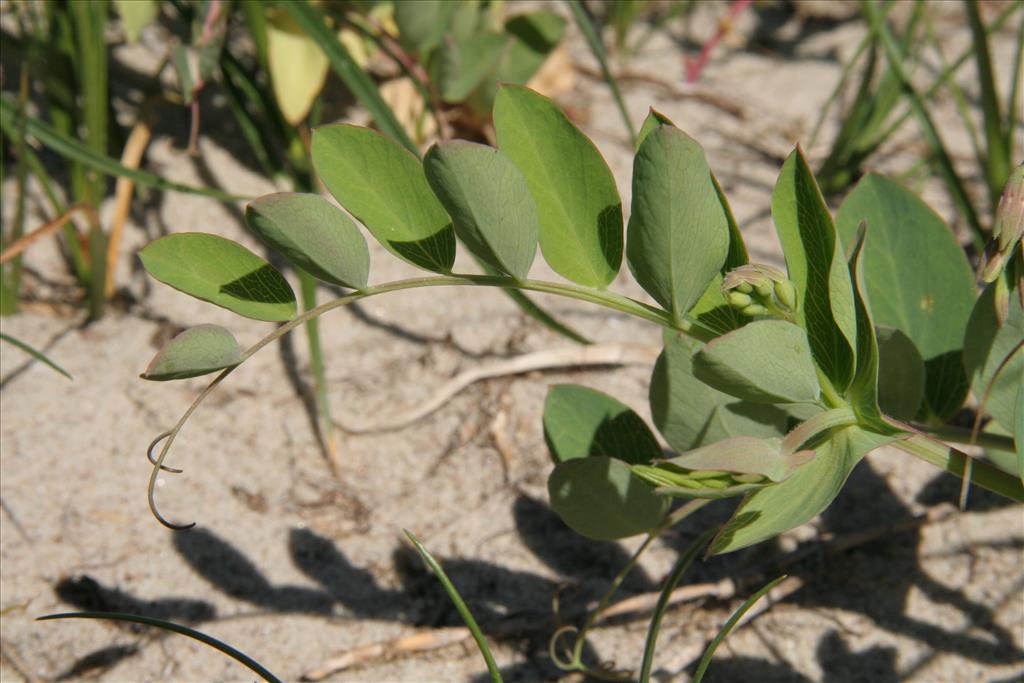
(316, 367)
(957, 463)
(609, 300)
(964, 436)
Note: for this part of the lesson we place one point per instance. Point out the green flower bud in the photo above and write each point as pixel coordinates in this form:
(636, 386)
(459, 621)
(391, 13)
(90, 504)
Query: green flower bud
(1008, 227)
(754, 309)
(739, 299)
(747, 478)
(706, 474)
(785, 292)
(764, 289)
(714, 483)
(744, 287)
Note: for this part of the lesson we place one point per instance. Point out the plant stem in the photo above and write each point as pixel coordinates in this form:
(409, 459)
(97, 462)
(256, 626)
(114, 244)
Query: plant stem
(961, 435)
(609, 300)
(317, 369)
(955, 462)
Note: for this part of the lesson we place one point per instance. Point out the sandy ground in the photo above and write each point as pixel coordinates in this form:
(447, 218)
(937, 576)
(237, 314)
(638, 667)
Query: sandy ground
(294, 565)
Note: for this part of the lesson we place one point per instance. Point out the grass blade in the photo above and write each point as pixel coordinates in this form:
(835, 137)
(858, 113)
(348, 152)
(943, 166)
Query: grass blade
(35, 353)
(72, 149)
(311, 20)
(10, 277)
(1013, 104)
(729, 625)
(597, 48)
(682, 564)
(931, 134)
(997, 162)
(237, 655)
(460, 605)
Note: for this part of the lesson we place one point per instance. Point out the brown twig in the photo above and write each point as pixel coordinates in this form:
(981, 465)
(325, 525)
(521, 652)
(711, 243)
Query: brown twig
(131, 157)
(576, 356)
(56, 224)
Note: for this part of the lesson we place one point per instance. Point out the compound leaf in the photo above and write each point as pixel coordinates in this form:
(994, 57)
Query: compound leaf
(489, 202)
(313, 234)
(382, 185)
(581, 422)
(197, 351)
(678, 235)
(578, 205)
(222, 272)
(600, 498)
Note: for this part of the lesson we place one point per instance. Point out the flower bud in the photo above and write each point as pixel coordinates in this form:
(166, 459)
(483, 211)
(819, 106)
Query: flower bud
(1008, 227)
(754, 309)
(739, 299)
(785, 292)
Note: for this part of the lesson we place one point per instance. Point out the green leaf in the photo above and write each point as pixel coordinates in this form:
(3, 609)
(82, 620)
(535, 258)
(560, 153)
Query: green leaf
(577, 202)
(297, 66)
(900, 374)
(817, 268)
(462, 66)
(197, 351)
(993, 356)
(490, 205)
(768, 361)
(383, 186)
(600, 498)
(917, 279)
(135, 16)
(460, 607)
(422, 24)
(678, 235)
(35, 353)
(807, 492)
(863, 390)
(581, 422)
(689, 413)
(655, 120)
(313, 234)
(743, 455)
(534, 36)
(222, 272)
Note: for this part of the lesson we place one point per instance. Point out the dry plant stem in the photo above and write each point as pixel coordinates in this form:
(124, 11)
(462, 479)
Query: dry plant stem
(134, 149)
(639, 606)
(577, 356)
(53, 226)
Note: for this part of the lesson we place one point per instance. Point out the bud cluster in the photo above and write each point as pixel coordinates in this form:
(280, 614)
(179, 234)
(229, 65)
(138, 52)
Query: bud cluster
(700, 483)
(756, 289)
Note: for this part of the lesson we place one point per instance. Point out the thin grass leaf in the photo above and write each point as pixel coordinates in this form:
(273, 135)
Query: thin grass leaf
(997, 161)
(311, 20)
(682, 564)
(460, 605)
(237, 655)
(928, 129)
(597, 48)
(729, 625)
(1014, 109)
(35, 353)
(70, 148)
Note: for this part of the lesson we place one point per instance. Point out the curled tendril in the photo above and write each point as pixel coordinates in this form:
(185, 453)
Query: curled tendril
(564, 664)
(152, 459)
